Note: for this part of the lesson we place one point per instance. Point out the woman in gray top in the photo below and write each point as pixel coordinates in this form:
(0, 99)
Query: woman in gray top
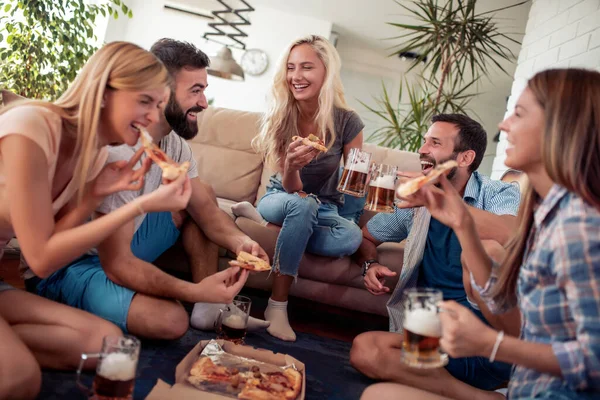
(307, 98)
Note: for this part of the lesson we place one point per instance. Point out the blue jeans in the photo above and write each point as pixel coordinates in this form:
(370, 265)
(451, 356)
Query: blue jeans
(353, 208)
(306, 225)
(83, 284)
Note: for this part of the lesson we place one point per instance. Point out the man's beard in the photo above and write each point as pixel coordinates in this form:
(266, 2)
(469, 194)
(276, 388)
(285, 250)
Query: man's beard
(435, 163)
(178, 121)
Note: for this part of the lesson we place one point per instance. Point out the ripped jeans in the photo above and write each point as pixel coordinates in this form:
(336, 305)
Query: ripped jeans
(306, 225)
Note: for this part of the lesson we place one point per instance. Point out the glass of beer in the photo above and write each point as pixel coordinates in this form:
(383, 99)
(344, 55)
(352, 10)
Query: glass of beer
(381, 189)
(356, 171)
(233, 320)
(115, 372)
(422, 329)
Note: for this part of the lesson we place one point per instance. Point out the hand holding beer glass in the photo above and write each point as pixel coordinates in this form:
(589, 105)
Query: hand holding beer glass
(422, 329)
(233, 320)
(356, 172)
(115, 372)
(382, 189)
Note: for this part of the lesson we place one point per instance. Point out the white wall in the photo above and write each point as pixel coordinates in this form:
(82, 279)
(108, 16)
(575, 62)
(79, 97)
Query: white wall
(270, 30)
(363, 71)
(559, 34)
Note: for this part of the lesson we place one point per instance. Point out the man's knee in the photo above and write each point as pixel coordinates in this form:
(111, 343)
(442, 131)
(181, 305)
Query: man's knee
(172, 323)
(364, 353)
(176, 323)
(25, 377)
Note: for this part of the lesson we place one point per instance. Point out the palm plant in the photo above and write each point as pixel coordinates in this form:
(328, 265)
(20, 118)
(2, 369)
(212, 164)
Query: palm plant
(458, 47)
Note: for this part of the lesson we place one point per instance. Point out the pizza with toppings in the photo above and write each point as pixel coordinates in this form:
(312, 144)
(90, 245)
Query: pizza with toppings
(413, 185)
(249, 384)
(170, 169)
(248, 261)
(312, 141)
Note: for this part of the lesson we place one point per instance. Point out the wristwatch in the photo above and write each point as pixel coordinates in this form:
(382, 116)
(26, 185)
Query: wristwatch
(366, 265)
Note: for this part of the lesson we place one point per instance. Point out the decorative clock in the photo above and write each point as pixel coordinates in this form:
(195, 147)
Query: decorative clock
(254, 62)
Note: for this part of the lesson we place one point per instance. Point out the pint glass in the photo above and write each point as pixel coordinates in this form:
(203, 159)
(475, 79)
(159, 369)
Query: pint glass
(422, 329)
(115, 372)
(233, 320)
(356, 171)
(381, 189)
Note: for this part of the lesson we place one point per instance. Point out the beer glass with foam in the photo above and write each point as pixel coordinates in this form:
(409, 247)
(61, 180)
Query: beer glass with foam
(356, 172)
(233, 320)
(422, 329)
(115, 372)
(381, 189)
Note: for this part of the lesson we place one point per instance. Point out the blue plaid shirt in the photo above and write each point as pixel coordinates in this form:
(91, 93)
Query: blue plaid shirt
(559, 295)
(481, 192)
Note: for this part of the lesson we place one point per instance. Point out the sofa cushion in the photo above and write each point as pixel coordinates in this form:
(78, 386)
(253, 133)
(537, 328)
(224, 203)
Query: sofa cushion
(224, 154)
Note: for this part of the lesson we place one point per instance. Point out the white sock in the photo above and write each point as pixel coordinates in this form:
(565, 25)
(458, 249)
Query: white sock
(276, 313)
(204, 316)
(245, 209)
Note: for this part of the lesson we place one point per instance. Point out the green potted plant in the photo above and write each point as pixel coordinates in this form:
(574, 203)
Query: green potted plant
(44, 43)
(458, 47)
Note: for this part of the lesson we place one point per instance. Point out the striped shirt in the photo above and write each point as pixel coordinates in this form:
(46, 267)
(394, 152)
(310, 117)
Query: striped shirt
(413, 224)
(559, 295)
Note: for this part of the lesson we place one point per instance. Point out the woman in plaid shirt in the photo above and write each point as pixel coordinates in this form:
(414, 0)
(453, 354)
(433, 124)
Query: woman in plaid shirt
(553, 269)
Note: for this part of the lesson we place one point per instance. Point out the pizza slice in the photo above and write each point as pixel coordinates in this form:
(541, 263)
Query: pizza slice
(285, 385)
(312, 141)
(205, 370)
(413, 185)
(170, 169)
(248, 261)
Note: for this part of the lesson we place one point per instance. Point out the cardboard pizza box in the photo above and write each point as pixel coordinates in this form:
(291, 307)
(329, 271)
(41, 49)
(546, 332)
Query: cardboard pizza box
(182, 390)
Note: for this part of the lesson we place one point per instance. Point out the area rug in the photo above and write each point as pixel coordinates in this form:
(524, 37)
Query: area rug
(328, 371)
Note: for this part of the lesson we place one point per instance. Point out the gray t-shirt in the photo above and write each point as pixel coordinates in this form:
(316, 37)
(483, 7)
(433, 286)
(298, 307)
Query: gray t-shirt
(173, 145)
(322, 175)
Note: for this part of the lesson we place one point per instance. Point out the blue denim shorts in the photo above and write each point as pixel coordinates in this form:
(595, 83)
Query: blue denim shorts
(84, 284)
(479, 372)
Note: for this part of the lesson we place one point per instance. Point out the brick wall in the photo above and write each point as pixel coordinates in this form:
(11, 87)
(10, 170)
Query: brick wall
(559, 34)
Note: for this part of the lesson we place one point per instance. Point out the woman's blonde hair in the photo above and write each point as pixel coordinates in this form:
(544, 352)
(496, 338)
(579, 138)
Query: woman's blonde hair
(116, 66)
(570, 99)
(280, 122)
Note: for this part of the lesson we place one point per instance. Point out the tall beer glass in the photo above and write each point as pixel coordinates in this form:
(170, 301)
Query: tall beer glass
(115, 372)
(233, 320)
(356, 171)
(422, 329)
(381, 189)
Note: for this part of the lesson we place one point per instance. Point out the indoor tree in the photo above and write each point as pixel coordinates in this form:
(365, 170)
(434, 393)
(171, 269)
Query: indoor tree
(44, 43)
(458, 47)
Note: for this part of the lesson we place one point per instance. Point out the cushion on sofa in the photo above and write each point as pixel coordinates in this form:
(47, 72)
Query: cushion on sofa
(224, 154)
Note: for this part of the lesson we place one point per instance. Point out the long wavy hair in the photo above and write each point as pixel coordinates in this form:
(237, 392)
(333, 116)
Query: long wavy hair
(280, 122)
(118, 66)
(570, 100)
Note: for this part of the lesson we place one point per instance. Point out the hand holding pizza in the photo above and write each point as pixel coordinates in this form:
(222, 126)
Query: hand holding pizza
(250, 246)
(174, 196)
(223, 286)
(299, 155)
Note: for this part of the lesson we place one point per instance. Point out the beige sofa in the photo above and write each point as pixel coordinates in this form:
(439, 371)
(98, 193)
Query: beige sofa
(227, 161)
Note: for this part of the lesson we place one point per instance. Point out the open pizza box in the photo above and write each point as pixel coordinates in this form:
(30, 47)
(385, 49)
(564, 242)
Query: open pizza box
(182, 390)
